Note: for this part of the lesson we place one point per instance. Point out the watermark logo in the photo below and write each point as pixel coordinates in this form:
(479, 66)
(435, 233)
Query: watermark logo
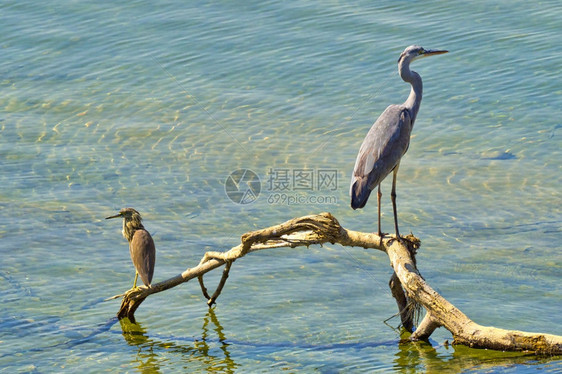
(297, 186)
(302, 180)
(242, 186)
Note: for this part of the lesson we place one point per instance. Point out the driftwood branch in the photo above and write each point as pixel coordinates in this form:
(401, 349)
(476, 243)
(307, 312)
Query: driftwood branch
(407, 285)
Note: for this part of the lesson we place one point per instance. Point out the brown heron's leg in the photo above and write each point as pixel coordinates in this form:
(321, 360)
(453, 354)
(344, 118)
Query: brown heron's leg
(379, 195)
(393, 197)
(136, 277)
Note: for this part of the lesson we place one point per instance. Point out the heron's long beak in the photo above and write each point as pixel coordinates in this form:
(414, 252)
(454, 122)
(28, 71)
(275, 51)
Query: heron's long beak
(431, 52)
(115, 216)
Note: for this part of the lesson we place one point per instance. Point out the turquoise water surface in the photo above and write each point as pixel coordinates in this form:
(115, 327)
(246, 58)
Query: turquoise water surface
(105, 105)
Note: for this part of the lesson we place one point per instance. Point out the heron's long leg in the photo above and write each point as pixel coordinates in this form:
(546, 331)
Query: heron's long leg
(136, 277)
(393, 198)
(379, 195)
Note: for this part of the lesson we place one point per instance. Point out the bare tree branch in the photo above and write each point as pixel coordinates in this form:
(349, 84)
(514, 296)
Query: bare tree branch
(407, 285)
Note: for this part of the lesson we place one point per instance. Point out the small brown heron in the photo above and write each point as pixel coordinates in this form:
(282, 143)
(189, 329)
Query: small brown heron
(141, 245)
(388, 140)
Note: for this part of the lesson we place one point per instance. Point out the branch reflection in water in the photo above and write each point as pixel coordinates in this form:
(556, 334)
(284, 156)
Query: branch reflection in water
(431, 357)
(204, 351)
(211, 352)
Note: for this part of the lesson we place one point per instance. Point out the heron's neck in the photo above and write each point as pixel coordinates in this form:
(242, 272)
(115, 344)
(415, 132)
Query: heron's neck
(129, 228)
(414, 99)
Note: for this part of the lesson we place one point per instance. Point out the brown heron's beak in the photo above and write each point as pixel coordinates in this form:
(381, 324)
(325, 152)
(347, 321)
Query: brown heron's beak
(431, 52)
(115, 216)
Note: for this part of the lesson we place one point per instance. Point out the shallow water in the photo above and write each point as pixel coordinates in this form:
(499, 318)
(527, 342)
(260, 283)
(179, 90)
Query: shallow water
(111, 105)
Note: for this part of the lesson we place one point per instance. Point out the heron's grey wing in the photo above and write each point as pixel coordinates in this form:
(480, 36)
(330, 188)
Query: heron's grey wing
(143, 254)
(385, 143)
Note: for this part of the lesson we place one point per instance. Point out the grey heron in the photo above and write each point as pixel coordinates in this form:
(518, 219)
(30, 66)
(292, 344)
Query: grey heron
(388, 139)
